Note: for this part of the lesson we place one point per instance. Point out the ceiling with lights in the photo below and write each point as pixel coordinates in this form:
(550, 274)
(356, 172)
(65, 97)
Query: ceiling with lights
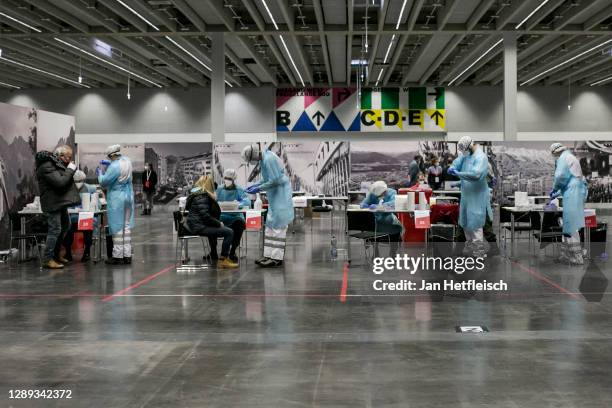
(165, 43)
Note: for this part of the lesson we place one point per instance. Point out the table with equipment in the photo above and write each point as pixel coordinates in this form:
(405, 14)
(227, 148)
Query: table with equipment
(383, 210)
(540, 210)
(100, 216)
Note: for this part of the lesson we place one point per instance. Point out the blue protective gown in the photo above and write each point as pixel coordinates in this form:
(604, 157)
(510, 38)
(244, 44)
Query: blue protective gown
(475, 195)
(574, 190)
(232, 194)
(278, 191)
(119, 194)
(385, 222)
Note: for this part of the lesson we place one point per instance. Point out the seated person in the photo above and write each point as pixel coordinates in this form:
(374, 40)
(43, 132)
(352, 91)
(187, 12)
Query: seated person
(229, 191)
(386, 222)
(82, 187)
(204, 219)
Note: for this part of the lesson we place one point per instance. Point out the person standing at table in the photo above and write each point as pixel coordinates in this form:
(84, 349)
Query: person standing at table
(280, 205)
(54, 173)
(570, 184)
(230, 191)
(117, 179)
(149, 186)
(386, 222)
(414, 169)
(472, 168)
(434, 175)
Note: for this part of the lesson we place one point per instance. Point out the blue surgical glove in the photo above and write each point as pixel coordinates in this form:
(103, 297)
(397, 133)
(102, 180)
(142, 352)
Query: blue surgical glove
(99, 171)
(373, 206)
(363, 205)
(452, 171)
(254, 189)
(554, 194)
(105, 162)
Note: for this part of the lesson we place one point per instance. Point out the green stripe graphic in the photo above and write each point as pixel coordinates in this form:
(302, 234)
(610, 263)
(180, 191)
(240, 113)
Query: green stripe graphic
(417, 98)
(440, 101)
(366, 99)
(390, 98)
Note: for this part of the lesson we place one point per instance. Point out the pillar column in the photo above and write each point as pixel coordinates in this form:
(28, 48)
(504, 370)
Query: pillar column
(217, 88)
(510, 86)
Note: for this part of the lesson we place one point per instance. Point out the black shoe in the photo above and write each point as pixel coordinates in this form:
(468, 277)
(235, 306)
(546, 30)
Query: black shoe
(271, 263)
(233, 257)
(213, 258)
(114, 261)
(127, 260)
(68, 256)
(85, 257)
(262, 260)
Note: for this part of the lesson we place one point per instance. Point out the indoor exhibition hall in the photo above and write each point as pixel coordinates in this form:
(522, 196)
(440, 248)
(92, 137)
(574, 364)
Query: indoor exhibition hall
(305, 203)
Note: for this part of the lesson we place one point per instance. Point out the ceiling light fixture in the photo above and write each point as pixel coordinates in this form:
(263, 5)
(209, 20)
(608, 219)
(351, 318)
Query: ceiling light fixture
(292, 61)
(9, 85)
(601, 81)
(20, 22)
(43, 71)
(389, 49)
(566, 61)
(80, 70)
(230, 85)
(379, 75)
(140, 16)
(270, 14)
(283, 41)
(475, 62)
(108, 62)
(399, 20)
(188, 53)
(531, 14)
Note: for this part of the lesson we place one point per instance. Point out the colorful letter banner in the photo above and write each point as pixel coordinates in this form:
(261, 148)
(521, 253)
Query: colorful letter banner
(418, 109)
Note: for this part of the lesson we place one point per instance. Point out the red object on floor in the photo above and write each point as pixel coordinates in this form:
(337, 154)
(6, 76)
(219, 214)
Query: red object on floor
(412, 234)
(78, 242)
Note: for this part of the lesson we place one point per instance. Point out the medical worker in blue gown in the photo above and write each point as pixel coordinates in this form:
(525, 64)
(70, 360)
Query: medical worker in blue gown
(230, 191)
(117, 179)
(570, 184)
(386, 222)
(280, 205)
(472, 168)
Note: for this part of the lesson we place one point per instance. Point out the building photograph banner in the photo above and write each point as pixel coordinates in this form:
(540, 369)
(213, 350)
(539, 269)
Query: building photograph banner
(409, 109)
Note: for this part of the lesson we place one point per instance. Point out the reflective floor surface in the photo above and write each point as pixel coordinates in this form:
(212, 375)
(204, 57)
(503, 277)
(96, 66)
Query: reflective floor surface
(311, 334)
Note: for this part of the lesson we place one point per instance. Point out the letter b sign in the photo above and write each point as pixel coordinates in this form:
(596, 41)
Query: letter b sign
(282, 118)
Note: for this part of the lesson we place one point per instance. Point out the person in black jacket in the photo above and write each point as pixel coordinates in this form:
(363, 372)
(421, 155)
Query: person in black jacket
(203, 219)
(149, 186)
(54, 172)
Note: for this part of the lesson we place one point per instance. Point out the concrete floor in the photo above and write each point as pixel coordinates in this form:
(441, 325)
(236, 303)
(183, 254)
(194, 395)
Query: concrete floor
(285, 338)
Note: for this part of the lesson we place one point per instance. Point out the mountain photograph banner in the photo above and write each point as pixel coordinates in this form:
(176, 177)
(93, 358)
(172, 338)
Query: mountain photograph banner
(407, 109)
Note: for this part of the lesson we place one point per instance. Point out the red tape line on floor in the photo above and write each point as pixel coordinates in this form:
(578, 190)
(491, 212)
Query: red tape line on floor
(344, 283)
(544, 279)
(139, 283)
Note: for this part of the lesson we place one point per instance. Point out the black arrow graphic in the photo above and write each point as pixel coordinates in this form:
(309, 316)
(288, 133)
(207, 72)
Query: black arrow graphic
(436, 116)
(345, 93)
(438, 93)
(318, 116)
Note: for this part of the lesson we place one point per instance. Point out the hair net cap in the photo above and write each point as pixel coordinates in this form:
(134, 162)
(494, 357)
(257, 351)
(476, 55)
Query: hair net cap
(378, 187)
(557, 148)
(79, 175)
(250, 153)
(230, 174)
(464, 143)
(113, 149)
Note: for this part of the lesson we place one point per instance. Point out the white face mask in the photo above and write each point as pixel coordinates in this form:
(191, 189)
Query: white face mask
(79, 185)
(228, 183)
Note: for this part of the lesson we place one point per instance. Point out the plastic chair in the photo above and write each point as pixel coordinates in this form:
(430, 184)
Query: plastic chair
(182, 241)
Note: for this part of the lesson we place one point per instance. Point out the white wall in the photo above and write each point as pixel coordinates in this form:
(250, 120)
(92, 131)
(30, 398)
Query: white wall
(108, 115)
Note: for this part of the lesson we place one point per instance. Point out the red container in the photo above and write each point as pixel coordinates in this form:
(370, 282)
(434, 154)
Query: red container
(412, 234)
